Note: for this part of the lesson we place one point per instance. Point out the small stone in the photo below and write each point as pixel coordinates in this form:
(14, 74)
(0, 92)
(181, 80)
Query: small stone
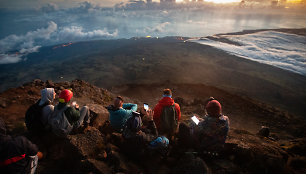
(264, 131)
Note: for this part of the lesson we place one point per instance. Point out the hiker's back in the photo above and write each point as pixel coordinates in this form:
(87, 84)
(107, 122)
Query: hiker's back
(213, 131)
(34, 117)
(168, 120)
(59, 123)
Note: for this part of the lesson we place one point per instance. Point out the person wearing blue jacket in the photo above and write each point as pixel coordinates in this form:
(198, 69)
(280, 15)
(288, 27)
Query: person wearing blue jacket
(119, 113)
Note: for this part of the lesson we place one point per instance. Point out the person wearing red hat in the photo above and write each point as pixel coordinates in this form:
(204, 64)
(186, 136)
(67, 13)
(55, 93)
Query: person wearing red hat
(67, 117)
(211, 131)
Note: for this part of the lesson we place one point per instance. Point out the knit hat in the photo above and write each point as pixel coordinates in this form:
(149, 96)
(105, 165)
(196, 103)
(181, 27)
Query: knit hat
(65, 96)
(213, 108)
(134, 123)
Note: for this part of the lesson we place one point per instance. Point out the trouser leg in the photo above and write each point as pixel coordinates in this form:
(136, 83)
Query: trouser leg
(84, 116)
(34, 163)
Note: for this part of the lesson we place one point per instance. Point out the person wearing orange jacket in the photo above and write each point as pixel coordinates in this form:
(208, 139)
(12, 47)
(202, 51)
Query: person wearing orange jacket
(162, 108)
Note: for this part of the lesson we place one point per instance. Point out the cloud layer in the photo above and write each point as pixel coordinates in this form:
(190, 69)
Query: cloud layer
(14, 47)
(27, 30)
(283, 50)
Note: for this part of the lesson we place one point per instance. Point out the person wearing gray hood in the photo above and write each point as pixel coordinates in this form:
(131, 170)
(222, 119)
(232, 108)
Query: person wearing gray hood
(47, 97)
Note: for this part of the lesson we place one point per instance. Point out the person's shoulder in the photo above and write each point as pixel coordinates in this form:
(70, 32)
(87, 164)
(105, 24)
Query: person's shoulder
(47, 107)
(21, 140)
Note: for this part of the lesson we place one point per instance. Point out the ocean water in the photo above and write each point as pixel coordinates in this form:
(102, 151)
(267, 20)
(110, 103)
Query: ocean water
(283, 50)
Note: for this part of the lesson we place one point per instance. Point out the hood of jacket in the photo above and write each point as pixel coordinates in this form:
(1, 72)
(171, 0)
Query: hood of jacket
(46, 96)
(166, 101)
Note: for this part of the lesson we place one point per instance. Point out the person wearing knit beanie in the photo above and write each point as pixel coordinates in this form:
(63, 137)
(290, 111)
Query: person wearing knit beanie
(213, 108)
(212, 130)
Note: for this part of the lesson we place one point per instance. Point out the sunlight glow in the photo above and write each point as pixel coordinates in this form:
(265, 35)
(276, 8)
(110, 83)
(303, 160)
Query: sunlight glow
(294, 1)
(223, 1)
(215, 1)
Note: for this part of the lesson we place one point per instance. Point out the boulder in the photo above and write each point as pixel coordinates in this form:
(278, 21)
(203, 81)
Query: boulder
(264, 131)
(255, 154)
(99, 115)
(88, 145)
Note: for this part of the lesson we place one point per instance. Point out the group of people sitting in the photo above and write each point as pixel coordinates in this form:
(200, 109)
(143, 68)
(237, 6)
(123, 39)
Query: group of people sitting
(142, 131)
(154, 129)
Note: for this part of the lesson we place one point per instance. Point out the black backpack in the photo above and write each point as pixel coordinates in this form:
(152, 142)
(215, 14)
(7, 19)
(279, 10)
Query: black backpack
(33, 117)
(169, 120)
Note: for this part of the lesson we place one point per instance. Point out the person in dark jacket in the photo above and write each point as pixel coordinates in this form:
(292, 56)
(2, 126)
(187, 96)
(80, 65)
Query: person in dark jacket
(119, 112)
(211, 131)
(17, 154)
(136, 135)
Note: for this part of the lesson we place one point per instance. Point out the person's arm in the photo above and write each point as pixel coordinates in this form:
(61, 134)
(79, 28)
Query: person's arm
(131, 106)
(151, 125)
(30, 149)
(74, 113)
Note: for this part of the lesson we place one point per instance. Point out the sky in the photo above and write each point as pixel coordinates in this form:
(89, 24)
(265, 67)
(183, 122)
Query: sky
(61, 3)
(104, 3)
(50, 23)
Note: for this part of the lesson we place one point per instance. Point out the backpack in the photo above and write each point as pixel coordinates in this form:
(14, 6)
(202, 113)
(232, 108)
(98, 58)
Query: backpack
(59, 123)
(33, 117)
(169, 121)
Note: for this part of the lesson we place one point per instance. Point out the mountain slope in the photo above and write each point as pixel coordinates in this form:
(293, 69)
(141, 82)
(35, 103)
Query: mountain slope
(139, 60)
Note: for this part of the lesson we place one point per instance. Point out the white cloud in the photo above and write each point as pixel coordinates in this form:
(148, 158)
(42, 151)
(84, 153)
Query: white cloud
(158, 28)
(76, 33)
(9, 58)
(283, 50)
(26, 41)
(29, 43)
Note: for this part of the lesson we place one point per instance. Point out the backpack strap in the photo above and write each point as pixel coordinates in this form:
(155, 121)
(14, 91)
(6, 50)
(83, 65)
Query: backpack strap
(12, 160)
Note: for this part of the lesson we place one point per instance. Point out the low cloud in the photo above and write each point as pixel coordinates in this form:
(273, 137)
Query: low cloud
(76, 33)
(158, 28)
(14, 47)
(27, 41)
(283, 50)
(9, 58)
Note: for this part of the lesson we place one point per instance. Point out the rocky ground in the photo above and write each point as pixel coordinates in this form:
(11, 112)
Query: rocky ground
(98, 150)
